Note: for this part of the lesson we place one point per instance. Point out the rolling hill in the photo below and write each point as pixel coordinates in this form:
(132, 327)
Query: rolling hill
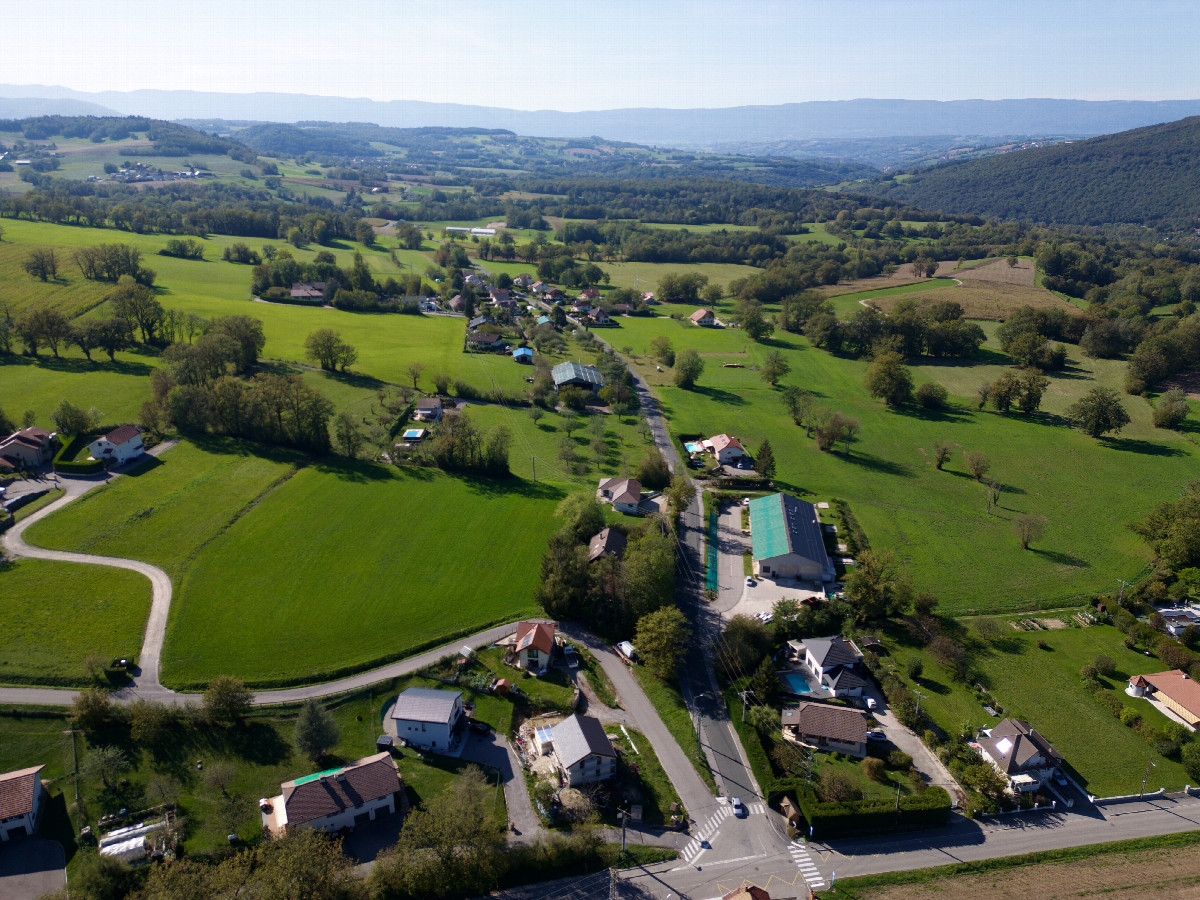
(1146, 176)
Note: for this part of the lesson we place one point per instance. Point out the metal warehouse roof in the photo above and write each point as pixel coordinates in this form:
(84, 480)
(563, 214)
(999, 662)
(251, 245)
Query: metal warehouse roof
(566, 372)
(780, 525)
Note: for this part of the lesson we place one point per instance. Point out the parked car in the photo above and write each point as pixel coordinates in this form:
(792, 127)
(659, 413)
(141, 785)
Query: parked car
(745, 501)
(1060, 779)
(869, 702)
(876, 735)
(749, 581)
(739, 808)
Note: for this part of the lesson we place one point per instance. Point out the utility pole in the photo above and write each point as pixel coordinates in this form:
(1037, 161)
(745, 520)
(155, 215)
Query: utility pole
(1123, 584)
(624, 814)
(534, 459)
(743, 694)
(1150, 762)
(919, 696)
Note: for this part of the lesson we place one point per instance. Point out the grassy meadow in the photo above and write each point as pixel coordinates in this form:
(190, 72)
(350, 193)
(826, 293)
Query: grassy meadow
(286, 573)
(53, 614)
(936, 520)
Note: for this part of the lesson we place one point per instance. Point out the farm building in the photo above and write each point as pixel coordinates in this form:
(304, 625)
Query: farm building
(572, 374)
(1020, 754)
(426, 717)
(834, 729)
(428, 409)
(534, 645)
(703, 317)
(787, 539)
(1175, 690)
(336, 798)
(625, 494)
(582, 750)
(523, 355)
(20, 802)
(118, 446)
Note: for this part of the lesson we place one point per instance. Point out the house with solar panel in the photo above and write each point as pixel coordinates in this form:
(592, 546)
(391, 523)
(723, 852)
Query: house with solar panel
(572, 374)
(788, 541)
(1020, 754)
(534, 645)
(336, 798)
(427, 717)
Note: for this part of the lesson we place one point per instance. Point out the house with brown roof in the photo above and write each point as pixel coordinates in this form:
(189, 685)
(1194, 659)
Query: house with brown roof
(608, 542)
(599, 317)
(625, 494)
(336, 798)
(523, 280)
(749, 892)
(29, 448)
(833, 729)
(589, 294)
(428, 409)
(457, 303)
(1175, 690)
(1020, 754)
(534, 645)
(309, 291)
(703, 317)
(118, 446)
(483, 341)
(21, 802)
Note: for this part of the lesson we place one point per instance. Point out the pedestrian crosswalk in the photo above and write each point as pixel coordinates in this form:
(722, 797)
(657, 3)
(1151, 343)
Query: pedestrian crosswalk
(696, 845)
(804, 862)
(756, 809)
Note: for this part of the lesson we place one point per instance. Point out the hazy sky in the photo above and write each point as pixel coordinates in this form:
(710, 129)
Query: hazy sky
(570, 55)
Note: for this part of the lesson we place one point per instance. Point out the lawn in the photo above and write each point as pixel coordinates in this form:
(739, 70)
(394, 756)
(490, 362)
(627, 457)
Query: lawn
(669, 705)
(353, 565)
(53, 614)
(1038, 685)
(644, 276)
(937, 521)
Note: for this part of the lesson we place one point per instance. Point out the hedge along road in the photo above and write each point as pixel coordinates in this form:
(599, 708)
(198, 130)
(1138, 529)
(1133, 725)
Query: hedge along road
(146, 684)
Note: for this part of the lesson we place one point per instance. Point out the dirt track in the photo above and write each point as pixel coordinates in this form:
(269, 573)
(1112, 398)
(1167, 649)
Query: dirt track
(1165, 874)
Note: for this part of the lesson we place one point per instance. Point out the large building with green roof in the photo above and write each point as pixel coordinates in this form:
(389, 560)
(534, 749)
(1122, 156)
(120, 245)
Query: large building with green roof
(788, 541)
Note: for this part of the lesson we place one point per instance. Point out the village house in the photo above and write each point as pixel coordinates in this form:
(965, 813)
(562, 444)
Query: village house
(539, 287)
(428, 409)
(572, 374)
(726, 448)
(834, 663)
(21, 802)
(1175, 690)
(599, 317)
(625, 494)
(534, 645)
(457, 303)
(524, 280)
(582, 750)
(478, 340)
(703, 317)
(608, 542)
(480, 321)
(308, 291)
(1020, 754)
(29, 448)
(336, 798)
(822, 726)
(118, 446)
(648, 298)
(498, 295)
(589, 294)
(427, 718)
(554, 294)
(787, 539)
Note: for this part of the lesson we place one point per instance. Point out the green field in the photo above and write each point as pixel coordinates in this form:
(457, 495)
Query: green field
(644, 276)
(935, 520)
(286, 574)
(1038, 685)
(53, 614)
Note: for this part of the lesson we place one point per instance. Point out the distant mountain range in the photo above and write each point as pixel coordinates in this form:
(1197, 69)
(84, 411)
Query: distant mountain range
(1146, 176)
(696, 128)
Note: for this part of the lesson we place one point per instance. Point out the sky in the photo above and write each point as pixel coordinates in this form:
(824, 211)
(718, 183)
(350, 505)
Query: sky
(572, 55)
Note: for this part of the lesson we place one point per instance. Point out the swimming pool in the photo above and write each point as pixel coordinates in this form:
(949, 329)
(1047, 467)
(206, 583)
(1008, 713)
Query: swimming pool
(693, 447)
(795, 682)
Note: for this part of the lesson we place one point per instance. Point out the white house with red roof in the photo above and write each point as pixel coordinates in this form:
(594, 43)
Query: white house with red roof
(118, 446)
(535, 644)
(703, 317)
(20, 802)
(29, 448)
(726, 448)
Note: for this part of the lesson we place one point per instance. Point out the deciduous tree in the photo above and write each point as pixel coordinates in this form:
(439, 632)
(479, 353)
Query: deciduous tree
(688, 368)
(1028, 528)
(1098, 412)
(889, 379)
(227, 699)
(316, 731)
(661, 640)
(774, 367)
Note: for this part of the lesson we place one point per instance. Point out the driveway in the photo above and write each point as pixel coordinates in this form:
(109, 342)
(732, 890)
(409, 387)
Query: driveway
(31, 867)
(496, 752)
(930, 767)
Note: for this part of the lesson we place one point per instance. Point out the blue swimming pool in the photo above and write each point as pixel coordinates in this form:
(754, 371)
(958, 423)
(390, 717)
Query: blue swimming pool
(795, 682)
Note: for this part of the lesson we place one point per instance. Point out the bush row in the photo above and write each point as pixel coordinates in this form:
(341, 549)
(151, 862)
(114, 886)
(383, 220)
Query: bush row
(833, 819)
(68, 450)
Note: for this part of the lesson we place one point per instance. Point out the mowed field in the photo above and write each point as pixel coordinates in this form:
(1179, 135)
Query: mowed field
(53, 614)
(288, 573)
(1088, 490)
(387, 343)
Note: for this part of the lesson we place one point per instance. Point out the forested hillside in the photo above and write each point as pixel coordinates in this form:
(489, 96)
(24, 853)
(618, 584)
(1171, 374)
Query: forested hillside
(1147, 176)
